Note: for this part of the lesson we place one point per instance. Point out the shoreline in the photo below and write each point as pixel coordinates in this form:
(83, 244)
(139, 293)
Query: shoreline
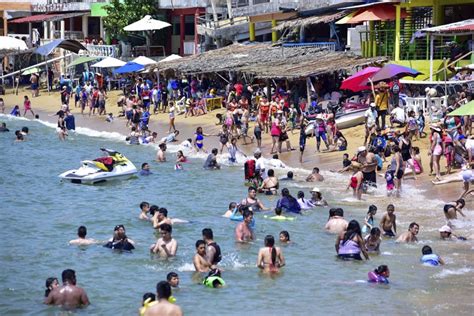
(46, 105)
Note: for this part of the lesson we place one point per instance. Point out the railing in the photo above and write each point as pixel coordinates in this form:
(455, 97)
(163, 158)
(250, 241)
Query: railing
(326, 45)
(102, 50)
(75, 35)
(222, 22)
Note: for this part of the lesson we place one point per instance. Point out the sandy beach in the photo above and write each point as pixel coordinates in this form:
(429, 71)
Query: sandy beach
(47, 104)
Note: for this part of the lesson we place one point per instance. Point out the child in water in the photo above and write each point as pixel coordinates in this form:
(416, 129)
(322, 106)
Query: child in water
(379, 275)
(429, 258)
(214, 279)
(149, 299)
(51, 284)
(369, 219)
(285, 237)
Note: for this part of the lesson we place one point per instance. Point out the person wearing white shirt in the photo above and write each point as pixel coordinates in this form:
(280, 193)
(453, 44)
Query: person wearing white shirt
(398, 116)
(370, 121)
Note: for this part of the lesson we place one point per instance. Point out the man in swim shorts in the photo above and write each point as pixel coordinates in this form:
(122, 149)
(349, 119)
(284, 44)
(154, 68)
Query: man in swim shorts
(82, 240)
(243, 232)
(369, 165)
(68, 295)
(410, 235)
(166, 246)
(163, 306)
(388, 223)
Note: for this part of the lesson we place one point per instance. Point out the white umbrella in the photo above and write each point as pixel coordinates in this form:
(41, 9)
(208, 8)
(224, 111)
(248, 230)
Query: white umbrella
(109, 62)
(10, 44)
(142, 60)
(146, 24)
(170, 58)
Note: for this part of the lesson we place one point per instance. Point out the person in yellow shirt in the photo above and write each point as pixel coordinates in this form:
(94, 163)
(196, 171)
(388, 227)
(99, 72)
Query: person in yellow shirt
(381, 97)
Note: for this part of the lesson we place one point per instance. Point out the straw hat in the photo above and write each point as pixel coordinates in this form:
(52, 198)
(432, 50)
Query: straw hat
(445, 229)
(315, 189)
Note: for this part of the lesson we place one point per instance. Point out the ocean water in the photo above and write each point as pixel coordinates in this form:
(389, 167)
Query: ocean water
(40, 214)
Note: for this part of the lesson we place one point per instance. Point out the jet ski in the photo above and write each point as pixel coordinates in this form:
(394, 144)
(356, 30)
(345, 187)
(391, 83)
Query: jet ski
(113, 167)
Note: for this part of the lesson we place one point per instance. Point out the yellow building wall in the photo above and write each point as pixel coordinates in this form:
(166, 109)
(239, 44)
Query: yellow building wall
(424, 67)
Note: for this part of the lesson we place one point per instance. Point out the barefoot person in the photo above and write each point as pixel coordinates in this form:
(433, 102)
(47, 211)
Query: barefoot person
(243, 231)
(68, 295)
(270, 258)
(165, 246)
(82, 240)
(163, 306)
(388, 223)
(410, 235)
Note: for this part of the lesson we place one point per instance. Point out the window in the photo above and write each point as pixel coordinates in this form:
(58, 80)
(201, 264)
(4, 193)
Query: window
(176, 25)
(189, 25)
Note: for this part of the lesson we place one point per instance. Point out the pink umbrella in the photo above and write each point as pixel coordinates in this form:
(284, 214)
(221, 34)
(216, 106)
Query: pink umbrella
(353, 83)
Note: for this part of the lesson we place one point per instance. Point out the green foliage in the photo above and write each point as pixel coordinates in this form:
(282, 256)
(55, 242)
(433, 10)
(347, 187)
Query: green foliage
(124, 12)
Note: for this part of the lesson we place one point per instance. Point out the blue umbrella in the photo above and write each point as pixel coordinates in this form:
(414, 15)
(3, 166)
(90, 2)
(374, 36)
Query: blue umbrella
(129, 67)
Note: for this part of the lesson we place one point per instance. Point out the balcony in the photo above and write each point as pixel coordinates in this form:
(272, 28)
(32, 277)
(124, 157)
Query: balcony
(65, 5)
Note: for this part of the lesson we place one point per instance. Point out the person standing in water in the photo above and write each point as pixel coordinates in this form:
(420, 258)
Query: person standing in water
(201, 264)
(410, 235)
(270, 258)
(163, 306)
(388, 223)
(349, 244)
(68, 295)
(82, 240)
(213, 251)
(166, 246)
(243, 231)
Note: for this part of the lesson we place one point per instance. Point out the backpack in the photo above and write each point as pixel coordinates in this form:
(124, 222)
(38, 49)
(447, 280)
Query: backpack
(249, 169)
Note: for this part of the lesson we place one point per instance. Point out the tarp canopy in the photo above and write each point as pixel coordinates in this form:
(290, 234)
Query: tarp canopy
(109, 62)
(170, 58)
(457, 28)
(147, 23)
(10, 44)
(70, 45)
(129, 67)
(466, 109)
(142, 60)
(82, 60)
(30, 71)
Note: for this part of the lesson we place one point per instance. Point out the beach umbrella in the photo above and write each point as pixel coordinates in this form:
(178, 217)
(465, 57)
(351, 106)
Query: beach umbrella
(466, 109)
(170, 58)
(109, 62)
(10, 45)
(390, 71)
(142, 60)
(354, 82)
(30, 71)
(129, 67)
(147, 24)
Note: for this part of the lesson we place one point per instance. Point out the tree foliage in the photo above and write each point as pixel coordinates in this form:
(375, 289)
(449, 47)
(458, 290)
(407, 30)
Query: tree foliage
(121, 13)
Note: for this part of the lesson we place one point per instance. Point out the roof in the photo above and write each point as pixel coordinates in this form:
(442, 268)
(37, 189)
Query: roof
(381, 12)
(268, 61)
(67, 44)
(466, 26)
(310, 20)
(46, 17)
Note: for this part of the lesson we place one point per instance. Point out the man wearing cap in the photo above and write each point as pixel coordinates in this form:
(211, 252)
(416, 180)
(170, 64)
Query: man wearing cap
(369, 165)
(370, 121)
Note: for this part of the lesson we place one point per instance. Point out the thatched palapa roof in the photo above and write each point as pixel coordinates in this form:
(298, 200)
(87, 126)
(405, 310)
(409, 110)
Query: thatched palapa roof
(268, 61)
(327, 18)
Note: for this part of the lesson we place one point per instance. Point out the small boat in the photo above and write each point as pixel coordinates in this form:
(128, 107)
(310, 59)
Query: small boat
(113, 167)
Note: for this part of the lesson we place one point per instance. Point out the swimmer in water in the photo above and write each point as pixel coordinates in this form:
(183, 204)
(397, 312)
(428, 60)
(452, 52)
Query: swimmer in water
(166, 246)
(253, 202)
(243, 231)
(350, 244)
(388, 223)
(149, 299)
(379, 275)
(373, 241)
(315, 176)
(120, 241)
(429, 258)
(160, 156)
(201, 264)
(336, 223)
(410, 235)
(284, 237)
(163, 306)
(270, 258)
(68, 295)
(161, 217)
(446, 233)
(369, 219)
(51, 284)
(144, 210)
(82, 240)
(173, 279)
(145, 170)
(451, 210)
(231, 210)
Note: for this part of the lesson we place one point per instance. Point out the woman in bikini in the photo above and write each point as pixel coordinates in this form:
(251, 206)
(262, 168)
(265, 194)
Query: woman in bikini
(270, 258)
(270, 184)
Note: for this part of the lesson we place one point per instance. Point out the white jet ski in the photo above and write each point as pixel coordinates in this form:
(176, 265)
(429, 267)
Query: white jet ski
(110, 168)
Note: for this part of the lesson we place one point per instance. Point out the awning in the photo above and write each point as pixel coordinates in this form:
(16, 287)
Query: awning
(109, 62)
(382, 12)
(70, 45)
(327, 18)
(82, 60)
(466, 109)
(347, 18)
(457, 28)
(46, 17)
